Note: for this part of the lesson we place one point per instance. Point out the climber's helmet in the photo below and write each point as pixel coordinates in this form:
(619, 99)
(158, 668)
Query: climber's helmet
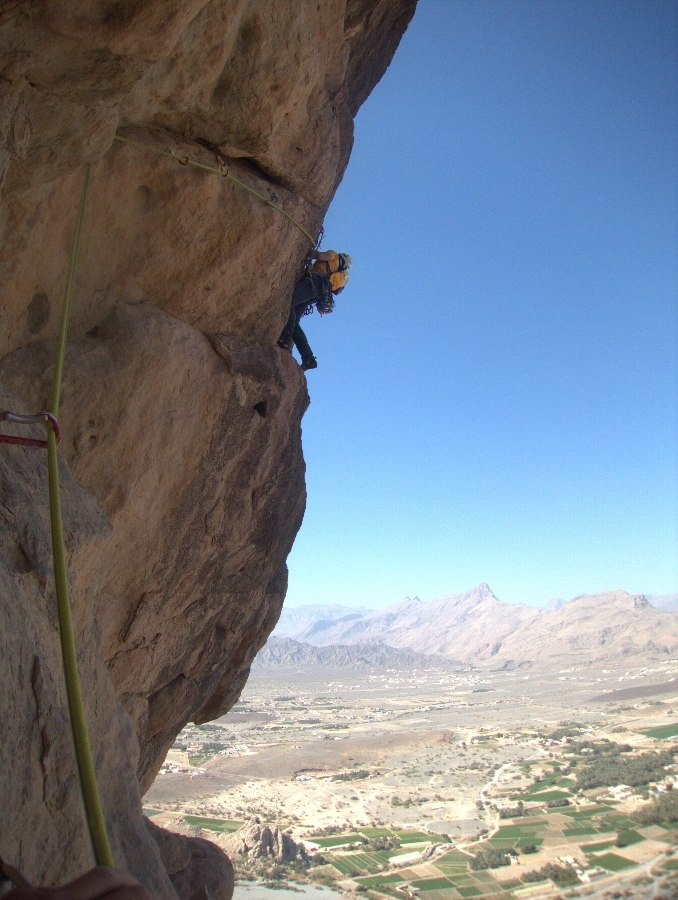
(345, 261)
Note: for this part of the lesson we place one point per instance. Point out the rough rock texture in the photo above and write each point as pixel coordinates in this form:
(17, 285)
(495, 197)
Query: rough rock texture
(257, 840)
(204, 495)
(182, 465)
(194, 865)
(42, 817)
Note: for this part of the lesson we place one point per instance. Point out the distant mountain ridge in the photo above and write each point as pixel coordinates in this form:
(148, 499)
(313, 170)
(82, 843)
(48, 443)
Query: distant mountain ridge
(448, 626)
(477, 628)
(664, 601)
(283, 651)
(607, 626)
(296, 619)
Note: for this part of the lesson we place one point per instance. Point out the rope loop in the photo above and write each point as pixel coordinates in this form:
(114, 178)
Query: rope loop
(44, 418)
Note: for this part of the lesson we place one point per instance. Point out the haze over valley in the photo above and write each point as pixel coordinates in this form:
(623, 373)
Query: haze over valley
(463, 747)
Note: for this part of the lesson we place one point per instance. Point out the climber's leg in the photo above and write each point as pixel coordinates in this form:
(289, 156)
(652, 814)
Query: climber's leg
(302, 345)
(304, 292)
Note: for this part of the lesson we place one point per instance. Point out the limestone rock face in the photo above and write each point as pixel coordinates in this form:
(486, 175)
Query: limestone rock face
(182, 464)
(201, 471)
(195, 866)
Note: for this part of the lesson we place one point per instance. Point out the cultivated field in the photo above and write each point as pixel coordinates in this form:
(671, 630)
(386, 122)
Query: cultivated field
(444, 784)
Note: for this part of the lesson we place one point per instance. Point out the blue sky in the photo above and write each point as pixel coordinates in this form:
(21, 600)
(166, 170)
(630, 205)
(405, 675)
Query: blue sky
(496, 392)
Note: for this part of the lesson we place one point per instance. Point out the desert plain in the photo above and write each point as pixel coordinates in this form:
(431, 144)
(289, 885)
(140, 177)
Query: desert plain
(398, 782)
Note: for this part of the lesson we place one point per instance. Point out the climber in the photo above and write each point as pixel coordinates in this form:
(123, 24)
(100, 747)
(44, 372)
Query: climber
(324, 278)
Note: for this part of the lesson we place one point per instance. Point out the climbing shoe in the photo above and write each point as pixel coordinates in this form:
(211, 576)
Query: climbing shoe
(285, 345)
(309, 364)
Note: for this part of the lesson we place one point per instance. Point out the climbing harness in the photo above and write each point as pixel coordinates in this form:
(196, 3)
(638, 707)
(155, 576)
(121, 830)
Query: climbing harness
(223, 171)
(81, 744)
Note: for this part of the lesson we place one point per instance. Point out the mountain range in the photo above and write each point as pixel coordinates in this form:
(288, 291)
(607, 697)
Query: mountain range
(283, 651)
(297, 619)
(476, 627)
(664, 601)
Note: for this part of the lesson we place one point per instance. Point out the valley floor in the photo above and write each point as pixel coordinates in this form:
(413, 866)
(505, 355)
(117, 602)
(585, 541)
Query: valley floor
(443, 784)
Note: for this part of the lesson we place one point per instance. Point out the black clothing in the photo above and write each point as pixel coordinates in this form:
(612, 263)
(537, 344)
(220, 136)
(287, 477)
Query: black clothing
(306, 293)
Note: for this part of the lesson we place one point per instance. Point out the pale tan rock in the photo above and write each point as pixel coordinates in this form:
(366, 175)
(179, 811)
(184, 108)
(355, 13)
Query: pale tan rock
(255, 841)
(196, 867)
(205, 491)
(599, 628)
(42, 830)
(182, 462)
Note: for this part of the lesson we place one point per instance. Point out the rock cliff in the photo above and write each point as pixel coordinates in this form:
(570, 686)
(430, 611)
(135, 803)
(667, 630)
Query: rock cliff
(255, 840)
(182, 464)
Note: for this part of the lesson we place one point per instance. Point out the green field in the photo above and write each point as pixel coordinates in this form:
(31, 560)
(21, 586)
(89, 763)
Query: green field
(598, 810)
(547, 795)
(544, 782)
(629, 837)
(517, 831)
(149, 812)
(337, 840)
(213, 824)
(345, 865)
(414, 837)
(373, 880)
(447, 894)
(614, 863)
(514, 843)
(433, 884)
(617, 822)
(662, 732)
(453, 858)
(601, 845)
(609, 830)
(358, 862)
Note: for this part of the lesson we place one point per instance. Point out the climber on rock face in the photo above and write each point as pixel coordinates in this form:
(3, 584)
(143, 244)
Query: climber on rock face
(326, 277)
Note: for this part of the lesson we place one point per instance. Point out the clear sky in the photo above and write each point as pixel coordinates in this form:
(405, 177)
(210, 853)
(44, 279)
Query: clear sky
(496, 397)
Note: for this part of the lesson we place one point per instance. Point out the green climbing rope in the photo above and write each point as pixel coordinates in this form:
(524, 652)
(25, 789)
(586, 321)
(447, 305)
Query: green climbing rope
(83, 751)
(186, 161)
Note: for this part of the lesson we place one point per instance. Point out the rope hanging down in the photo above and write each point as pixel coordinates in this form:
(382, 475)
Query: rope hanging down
(83, 751)
(186, 161)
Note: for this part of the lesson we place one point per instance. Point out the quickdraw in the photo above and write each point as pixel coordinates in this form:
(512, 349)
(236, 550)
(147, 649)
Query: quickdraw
(43, 418)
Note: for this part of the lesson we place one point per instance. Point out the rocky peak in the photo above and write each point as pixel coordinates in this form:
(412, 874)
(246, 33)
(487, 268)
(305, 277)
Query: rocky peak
(256, 840)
